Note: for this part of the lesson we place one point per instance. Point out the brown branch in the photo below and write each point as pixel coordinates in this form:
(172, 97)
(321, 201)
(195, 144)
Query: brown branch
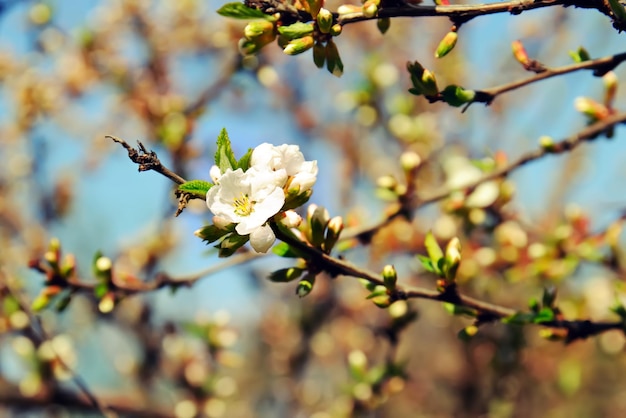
(486, 312)
(463, 13)
(147, 160)
(163, 280)
(600, 65)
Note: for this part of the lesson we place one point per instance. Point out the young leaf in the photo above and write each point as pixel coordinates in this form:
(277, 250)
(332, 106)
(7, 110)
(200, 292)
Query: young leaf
(427, 264)
(224, 156)
(196, 187)
(544, 315)
(240, 11)
(432, 248)
(282, 249)
(211, 233)
(244, 162)
(285, 275)
(230, 244)
(296, 30)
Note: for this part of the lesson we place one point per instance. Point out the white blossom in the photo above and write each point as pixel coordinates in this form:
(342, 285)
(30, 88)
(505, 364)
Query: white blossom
(302, 174)
(248, 199)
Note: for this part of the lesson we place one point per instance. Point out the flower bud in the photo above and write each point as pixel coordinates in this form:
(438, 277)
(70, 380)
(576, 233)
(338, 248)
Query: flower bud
(319, 54)
(594, 110)
(519, 52)
(345, 9)
(370, 8)
(383, 24)
(336, 29)
(290, 219)
(258, 28)
(610, 84)
(447, 44)
(410, 160)
(390, 277)
(107, 303)
(335, 226)
(324, 20)
(452, 258)
(333, 60)
(248, 47)
(298, 46)
(69, 265)
(547, 143)
(305, 285)
(104, 264)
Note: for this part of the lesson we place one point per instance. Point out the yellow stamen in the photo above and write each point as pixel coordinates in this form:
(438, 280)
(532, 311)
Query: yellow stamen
(243, 206)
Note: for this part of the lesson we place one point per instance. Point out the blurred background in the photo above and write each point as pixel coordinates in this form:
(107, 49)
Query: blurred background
(168, 73)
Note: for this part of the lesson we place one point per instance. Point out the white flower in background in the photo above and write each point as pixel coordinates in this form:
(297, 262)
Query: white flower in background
(249, 199)
(461, 173)
(302, 174)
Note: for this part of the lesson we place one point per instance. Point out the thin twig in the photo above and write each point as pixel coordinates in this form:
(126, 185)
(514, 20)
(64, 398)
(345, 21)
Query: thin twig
(600, 65)
(464, 12)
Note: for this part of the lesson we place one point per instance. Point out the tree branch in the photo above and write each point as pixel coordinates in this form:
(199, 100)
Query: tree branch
(465, 12)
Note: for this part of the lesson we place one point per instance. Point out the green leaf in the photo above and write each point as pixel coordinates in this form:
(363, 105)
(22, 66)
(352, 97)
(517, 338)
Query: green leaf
(285, 275)
(63, 302)
(239, 10)
(427, 264)
(296, 30)
(196, 187)
(282, 249)
(305, 285)
(244, 162)
(224, 156)
(211, 233)
(231, 244)
(432, 248)
(545, 315)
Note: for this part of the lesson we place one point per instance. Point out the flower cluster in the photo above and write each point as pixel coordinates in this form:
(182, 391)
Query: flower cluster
(277, 179)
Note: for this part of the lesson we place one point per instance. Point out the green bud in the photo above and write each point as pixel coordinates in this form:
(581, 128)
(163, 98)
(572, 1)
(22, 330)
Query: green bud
(305, 285)
(298, 46)
(457, 96)
(452, 259)
(383, 24)
(390, 276)
(285, 275)
(409, 161)
(107, 303)
(447, 44)
(248, 47)
(40, 302)
(324, 20)
(336, 29)
(423, 80)
(547, 143)
(333, 60)
(435, 253)
(317, 225)
(319, 54)
(580, 55)
(258, 28)
(335, 226)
